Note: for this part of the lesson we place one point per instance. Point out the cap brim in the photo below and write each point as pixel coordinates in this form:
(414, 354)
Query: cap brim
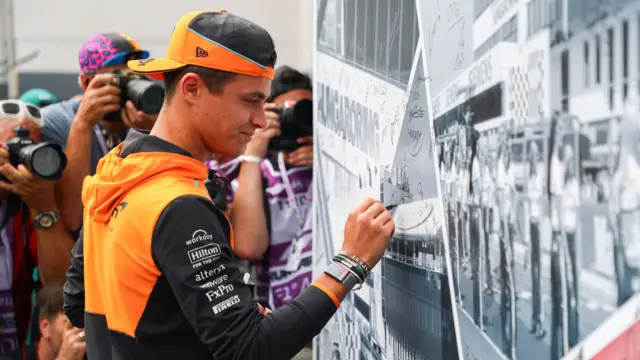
(122, 57)
(154, 67)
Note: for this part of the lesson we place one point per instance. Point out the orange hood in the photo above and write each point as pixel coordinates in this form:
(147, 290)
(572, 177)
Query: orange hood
(115, 176)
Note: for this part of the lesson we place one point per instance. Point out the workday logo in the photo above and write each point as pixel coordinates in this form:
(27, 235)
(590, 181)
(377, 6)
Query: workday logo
(197, 236)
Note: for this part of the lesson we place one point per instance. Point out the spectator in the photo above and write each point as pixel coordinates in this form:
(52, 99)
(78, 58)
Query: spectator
(79, 125)
(60, 340)
(270, 216)
(39, 97)
(30, 230)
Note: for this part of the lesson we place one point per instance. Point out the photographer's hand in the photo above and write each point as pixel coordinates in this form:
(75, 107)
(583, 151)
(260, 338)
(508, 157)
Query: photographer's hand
(136, 119)
(302, 156)
(73, 346)
(37, 193)
(98, 100)
(260, 141)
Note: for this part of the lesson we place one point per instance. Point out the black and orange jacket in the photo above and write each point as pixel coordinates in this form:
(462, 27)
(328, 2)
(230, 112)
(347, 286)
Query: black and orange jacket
(160, 276)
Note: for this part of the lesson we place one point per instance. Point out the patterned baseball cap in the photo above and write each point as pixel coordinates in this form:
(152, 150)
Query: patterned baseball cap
(108, 49)
(216, 40)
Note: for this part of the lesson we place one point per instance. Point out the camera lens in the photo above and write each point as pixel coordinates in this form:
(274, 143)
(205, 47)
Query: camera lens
(147, 95)
(45, 161)
(303, 111)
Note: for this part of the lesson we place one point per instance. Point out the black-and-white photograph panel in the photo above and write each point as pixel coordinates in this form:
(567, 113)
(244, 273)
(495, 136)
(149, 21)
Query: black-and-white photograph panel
(538, 139)
(374, 138)
(507, 132)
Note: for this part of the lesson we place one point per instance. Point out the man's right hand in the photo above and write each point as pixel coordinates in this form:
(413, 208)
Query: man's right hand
(73, 345)
(259, 143)
(368, 231)
(100, 98)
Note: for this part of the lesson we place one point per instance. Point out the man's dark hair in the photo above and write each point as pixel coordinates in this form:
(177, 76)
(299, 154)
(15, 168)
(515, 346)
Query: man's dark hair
(50, 300)
(215, 79)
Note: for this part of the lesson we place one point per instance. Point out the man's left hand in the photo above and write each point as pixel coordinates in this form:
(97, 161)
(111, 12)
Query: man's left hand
(136, 119)
(302, 156)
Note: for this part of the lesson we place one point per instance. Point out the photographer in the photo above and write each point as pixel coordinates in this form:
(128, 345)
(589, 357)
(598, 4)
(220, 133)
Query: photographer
(30, 232)
(161, 278)
(277, 224)
(88, 128)
(60, 340)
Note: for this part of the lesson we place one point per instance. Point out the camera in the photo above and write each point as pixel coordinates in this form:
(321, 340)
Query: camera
(296, 121)
(145, 94)
(217, 192)
(46, 160)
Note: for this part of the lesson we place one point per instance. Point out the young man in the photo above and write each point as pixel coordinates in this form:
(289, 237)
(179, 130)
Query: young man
(161, 279)
(59, 339)
(79, 125)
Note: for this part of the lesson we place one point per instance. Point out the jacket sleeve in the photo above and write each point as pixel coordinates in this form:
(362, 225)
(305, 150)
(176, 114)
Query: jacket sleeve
(190, 246)
(74, 285)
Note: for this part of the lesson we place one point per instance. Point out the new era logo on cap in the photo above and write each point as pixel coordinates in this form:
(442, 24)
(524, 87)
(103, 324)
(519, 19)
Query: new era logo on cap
(144, 62)
(200, 52)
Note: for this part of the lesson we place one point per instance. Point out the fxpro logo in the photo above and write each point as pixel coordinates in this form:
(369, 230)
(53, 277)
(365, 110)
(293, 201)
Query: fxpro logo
(197, 236)
(219, 292)
(208, 253)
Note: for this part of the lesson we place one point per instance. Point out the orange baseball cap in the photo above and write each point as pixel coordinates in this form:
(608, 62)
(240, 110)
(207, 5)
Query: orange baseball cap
(216, 40)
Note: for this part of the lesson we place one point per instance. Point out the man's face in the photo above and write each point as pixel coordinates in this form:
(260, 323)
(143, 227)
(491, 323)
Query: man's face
(293, 95)
(7, 129)
(227, 121)
(55, 331)
(86, 79)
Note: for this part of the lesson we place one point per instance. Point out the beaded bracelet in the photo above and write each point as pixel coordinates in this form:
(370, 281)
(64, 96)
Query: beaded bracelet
(359, 261)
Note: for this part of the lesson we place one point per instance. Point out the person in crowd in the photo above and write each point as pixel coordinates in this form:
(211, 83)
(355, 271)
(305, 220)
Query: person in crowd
(488, 204)
(79, 125)
(556, 171)
(30, 231)
(461, 182)
(474, 210)
(272, 204)
(59, 340)
(39, 97)
(570, 213)
(161, 279)
(450, 194)
(535, 193)
(624, 210)
(504, 191)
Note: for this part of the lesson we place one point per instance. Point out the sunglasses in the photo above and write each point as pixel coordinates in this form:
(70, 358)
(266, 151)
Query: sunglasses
(18, 111)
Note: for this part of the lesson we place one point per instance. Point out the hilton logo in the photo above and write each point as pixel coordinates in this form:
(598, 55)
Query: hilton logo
(209, 251)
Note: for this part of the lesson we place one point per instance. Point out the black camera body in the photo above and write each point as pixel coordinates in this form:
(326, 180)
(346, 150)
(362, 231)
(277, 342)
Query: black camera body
(46, 160)
(217, 192)
(296, 121)
(145, 94)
